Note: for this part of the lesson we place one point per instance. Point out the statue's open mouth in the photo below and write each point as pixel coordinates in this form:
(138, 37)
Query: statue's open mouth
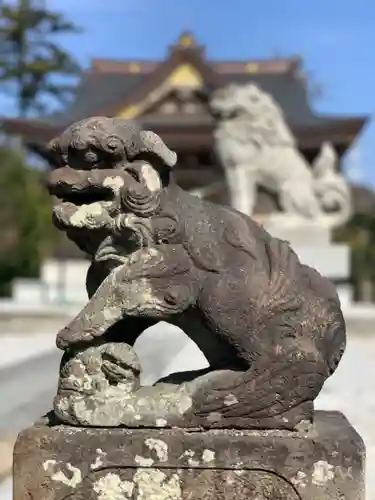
(88, 204)
(82, 195)
(81, 187)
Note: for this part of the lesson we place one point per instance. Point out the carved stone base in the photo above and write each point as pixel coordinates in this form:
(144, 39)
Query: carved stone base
(324, 461)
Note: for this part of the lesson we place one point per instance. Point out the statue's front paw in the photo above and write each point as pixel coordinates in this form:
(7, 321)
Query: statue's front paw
(66, 337)
(62, 339)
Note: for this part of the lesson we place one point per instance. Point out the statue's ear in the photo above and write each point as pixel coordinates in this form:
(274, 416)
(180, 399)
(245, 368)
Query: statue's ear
(154, 145)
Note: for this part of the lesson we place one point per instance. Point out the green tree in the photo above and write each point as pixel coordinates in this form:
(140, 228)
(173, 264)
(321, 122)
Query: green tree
(33, 66)
(37, 72)
(26, 229)
(359, 233)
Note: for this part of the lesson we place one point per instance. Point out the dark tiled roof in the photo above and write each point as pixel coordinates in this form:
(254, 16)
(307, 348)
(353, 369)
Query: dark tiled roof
(96, 91)
(100, 90)
(110, 85)
(105, 93)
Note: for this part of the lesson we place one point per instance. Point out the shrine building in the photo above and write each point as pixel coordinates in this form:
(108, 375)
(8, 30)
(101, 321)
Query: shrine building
(170, 98)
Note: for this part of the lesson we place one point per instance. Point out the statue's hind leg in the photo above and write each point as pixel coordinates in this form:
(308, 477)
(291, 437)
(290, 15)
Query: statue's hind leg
(286, 339)
(277, 394)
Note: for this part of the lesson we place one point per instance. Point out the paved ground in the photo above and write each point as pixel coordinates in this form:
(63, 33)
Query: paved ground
(15, 348)
(352, 391)
(28, 388)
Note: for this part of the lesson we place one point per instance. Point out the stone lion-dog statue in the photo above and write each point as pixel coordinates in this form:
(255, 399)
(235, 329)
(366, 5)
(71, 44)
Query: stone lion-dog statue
(257, 148)
(271, 328)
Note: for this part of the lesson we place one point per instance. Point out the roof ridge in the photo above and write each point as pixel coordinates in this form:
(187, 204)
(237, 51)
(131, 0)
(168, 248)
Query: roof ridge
(272, 65)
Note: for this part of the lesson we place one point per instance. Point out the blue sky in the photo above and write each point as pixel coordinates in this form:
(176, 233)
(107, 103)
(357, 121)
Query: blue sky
(336, 38)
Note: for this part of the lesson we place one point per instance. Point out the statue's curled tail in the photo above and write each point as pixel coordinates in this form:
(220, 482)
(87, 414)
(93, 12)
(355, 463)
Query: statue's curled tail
(330, 187)
(281, 384)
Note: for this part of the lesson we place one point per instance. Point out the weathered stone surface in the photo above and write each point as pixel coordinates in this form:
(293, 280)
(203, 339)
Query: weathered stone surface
(320, 462)
(270, 328)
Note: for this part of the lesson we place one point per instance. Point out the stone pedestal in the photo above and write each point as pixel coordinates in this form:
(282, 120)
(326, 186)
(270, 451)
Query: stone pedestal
(312, 241)
(324, 461)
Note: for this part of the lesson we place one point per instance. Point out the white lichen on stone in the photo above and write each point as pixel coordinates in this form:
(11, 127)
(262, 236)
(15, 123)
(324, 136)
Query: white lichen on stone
(185, 403)
(99, 459)
(214, 416)
(239, 472)
(344, 473)
(151, 178)
(86, 215)
(304, 426)
(111, 487)
(111, 313)
(143, 461)
(81, 411)
(73, 481)
(193, 462)
(48, 464)
(63, 403)
(189, 454)
(208, 456)
(139, 295)
(87, 382)
(59, 476)
(300, 480)
(230, 399)
(238, 468)
(154, 484)
(322, 472)
(160, 448)
(161, 422)
(114, 183)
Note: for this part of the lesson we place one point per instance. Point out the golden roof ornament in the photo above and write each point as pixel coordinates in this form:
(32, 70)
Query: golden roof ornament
(134, 68)
(186, 40)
